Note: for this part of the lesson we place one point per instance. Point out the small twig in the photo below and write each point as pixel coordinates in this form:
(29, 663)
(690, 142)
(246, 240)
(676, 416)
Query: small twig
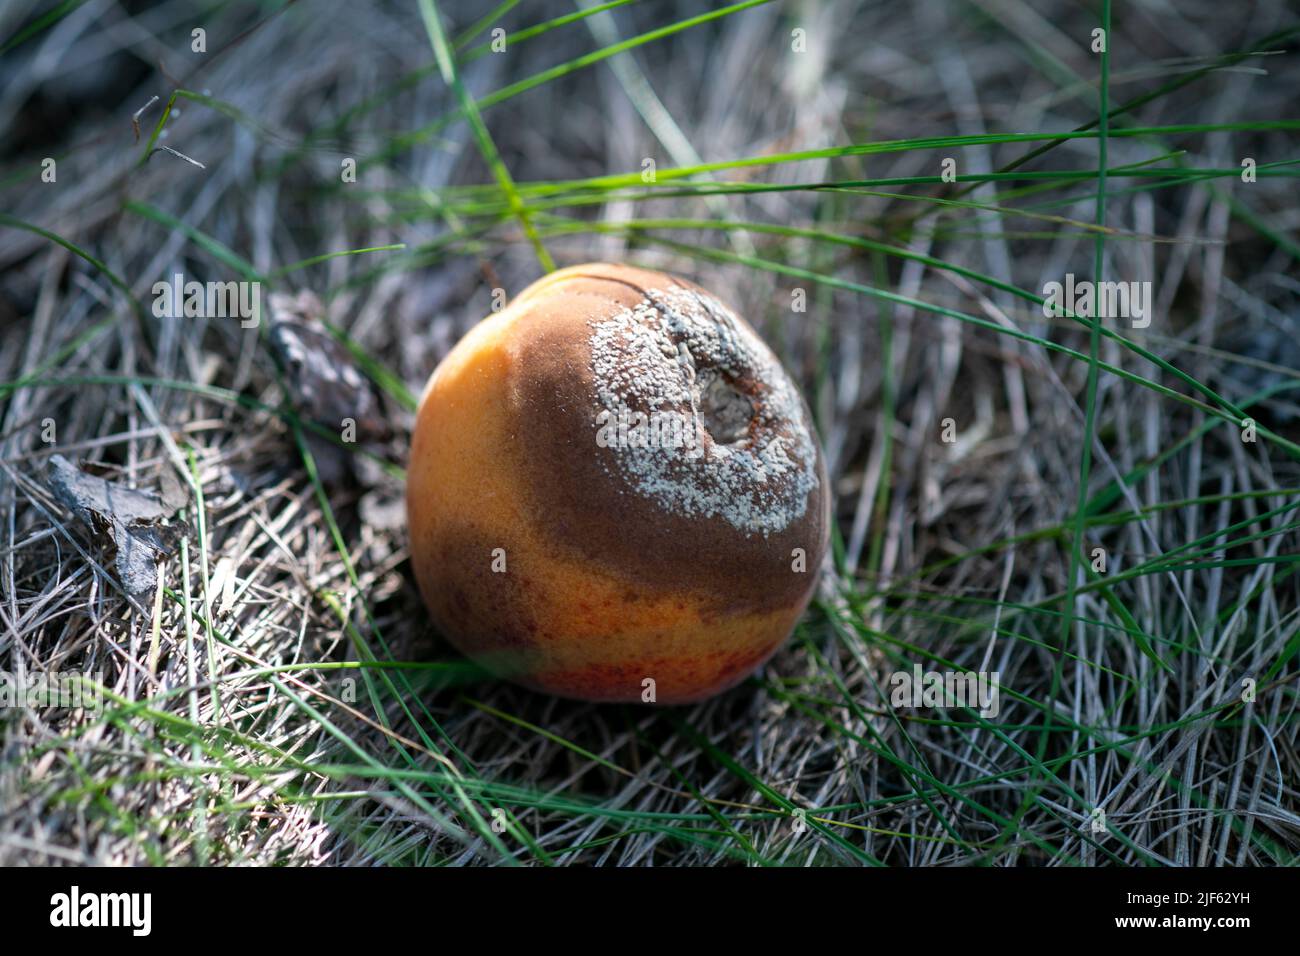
(135, 117)
(176, 152)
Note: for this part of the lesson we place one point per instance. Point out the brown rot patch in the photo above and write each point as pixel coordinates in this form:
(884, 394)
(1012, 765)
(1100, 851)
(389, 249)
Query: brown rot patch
(481, 610)
(720, 529)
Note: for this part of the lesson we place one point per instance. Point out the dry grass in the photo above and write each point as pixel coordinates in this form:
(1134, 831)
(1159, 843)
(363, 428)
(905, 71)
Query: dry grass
(231, 733)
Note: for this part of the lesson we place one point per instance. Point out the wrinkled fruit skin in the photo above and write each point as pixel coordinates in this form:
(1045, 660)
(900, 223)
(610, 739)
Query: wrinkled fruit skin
(582, 567)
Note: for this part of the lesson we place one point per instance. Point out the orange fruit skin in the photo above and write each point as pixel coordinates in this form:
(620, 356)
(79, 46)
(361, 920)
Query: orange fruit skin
(556, 574)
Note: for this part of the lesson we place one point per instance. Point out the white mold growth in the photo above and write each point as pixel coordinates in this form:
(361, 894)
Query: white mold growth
(681, 351)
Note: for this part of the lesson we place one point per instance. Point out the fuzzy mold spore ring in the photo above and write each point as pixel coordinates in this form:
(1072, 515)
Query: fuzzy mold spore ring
(683, 353)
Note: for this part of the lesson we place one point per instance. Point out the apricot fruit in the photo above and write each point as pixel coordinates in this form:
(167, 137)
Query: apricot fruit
(615, 491)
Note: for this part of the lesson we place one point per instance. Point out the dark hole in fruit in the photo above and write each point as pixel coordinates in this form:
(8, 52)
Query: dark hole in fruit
(724, 411)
